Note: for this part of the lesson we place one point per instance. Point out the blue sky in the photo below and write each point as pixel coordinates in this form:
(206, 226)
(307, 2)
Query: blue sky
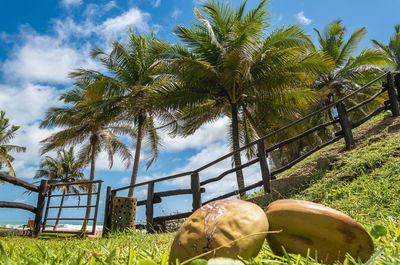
(42, 41)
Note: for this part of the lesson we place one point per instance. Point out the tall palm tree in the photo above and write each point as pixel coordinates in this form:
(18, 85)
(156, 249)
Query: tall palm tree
(350, 71)
(228, 67)
(130, 86)
(7, 133)
(392, 49)
(64, 168)
(89, 123)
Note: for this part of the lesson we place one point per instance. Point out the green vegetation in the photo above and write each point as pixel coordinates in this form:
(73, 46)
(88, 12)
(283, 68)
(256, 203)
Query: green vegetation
(363, 183)
(7, 133)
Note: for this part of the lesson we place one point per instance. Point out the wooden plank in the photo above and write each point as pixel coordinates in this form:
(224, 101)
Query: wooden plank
(150, 208)
(39, 207)
(70, 219)
(71, 206)
(346, 125)
(368, 100)
(17, 205)
(195, 187)
(73, 194)
(236, 192)
(222, 175)
(74, 183)
(175, 192)
(300, 158)
(18, 182)
(79, 232)
(172, 217)
(394, 103)
(154, 181)
(369, 116)
(265, 174)
(301, 135)
(143, 202)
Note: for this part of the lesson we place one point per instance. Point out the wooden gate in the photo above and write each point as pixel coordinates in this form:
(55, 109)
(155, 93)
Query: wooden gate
(93, 188)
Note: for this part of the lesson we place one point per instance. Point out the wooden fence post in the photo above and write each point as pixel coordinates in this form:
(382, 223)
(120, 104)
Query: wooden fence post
(394, 103)
(150, 208)
(345, 124)
(196, 193)
(107, 212)
(265, 174)
(39, 207)
(397, 85)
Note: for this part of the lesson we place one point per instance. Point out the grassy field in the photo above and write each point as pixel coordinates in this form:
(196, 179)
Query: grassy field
(364, 183)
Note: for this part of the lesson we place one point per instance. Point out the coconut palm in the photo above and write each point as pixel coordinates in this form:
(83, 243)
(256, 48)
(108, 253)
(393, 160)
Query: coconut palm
(130, 86)
(88, 122)
(7, 133)
(350, 71)
(228, 67)
(392, 49)
(64, 168)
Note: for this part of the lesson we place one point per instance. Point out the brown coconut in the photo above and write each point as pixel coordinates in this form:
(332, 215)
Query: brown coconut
(314, 228)
(224, 228)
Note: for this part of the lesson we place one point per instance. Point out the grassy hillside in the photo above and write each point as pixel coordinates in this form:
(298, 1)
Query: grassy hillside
(364, 183)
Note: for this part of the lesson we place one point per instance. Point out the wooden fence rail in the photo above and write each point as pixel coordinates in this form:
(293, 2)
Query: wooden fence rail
(38, 210)
(197, 187)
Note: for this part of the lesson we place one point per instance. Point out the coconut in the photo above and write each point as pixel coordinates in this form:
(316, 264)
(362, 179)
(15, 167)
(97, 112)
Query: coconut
(226, 228)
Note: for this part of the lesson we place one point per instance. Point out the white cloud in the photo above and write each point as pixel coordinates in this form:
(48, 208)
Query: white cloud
(197, 2)
(25, 107)
(204, 136)
(41, 58)
(49, 58)
(133, 17)
(303, 19)
(127, 180)
(157, 3)
(71, 2)
(177, 12)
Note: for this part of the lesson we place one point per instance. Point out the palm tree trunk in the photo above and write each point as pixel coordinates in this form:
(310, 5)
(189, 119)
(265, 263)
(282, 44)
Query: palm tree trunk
(89, 198)
(59, 210)
(137, 157)
(236, 145)
(274, 158)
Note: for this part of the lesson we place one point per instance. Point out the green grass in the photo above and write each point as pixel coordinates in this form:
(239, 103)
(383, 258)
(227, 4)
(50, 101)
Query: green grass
(364, 183)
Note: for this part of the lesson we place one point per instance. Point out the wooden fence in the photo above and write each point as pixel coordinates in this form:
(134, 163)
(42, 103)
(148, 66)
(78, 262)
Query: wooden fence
(44, 190)
(38, 210)
(197, 186)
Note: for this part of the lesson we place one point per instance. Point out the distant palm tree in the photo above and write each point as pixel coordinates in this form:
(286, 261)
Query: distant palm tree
(64, 168)
(392, 49)
(230, 68)
(7, 133)
(131, 86)
(88, 123)
(350, 71)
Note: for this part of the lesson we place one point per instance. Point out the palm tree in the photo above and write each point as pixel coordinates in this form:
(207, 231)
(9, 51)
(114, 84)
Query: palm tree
(131, 87)
(7, 133)
(228, 67)
(349, 71)
(88, 122)
(392, 49)
(64, 168)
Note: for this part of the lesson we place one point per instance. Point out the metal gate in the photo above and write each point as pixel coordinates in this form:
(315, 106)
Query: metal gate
(92, 188)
